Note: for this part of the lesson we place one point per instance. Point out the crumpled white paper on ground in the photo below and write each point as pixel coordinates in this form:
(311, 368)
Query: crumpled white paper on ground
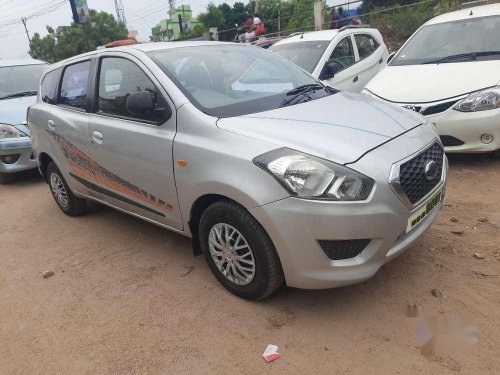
(271, 353)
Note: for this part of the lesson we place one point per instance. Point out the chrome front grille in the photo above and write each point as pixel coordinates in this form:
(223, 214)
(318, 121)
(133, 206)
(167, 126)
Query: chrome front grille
(428, 109)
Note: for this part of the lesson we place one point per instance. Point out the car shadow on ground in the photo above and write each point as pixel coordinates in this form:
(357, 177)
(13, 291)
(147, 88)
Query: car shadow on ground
(308, 300)
(24, 178)
(472, 160)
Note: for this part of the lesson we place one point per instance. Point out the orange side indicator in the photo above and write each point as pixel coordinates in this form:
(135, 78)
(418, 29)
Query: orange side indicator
(182, 163)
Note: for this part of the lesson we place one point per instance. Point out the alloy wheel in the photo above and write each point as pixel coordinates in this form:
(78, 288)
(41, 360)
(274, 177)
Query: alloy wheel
(231, 254)
(59, 190)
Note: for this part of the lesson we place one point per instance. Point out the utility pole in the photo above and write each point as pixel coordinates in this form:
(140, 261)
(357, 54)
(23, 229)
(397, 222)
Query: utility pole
(318, 15)
(257, 6)
(120, 12)
(23, 20)
(279, 18)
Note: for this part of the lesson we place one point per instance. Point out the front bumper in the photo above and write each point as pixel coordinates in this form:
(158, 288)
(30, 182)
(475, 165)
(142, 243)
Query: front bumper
(21, 149)
(469, 128)
(295, 225)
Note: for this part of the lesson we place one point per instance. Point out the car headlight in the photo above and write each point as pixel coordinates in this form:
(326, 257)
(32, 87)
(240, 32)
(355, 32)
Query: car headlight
(480, 101)
(309, 177)
(9, 131)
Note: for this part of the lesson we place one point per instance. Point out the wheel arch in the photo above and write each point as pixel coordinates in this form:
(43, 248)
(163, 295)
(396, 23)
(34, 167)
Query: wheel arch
(43, 162)
(197, 209)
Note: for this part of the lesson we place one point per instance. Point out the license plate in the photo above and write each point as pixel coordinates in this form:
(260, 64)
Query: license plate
(421, 214)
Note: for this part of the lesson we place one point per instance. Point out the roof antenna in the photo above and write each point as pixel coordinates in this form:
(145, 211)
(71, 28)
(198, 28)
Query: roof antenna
(471, 13)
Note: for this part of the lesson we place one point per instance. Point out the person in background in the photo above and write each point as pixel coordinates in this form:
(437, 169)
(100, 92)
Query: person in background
(258, 28)
(344, 19)
(247, 27)
(334, 20)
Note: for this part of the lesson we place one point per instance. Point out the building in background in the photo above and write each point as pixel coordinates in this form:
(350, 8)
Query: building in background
(132, 34)
(177, 26)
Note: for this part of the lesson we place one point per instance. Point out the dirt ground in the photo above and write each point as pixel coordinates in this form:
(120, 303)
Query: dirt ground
(128, 297)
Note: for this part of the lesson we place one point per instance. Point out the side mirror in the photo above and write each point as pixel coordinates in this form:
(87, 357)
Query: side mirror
(329, 71)
(142, 104)
(391, 56)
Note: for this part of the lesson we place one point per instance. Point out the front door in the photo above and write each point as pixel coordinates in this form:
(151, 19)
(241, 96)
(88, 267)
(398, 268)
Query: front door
(342, 62)
(371, 58)
(132, 152)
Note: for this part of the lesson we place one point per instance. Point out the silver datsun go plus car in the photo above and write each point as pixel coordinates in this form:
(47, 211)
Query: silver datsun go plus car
(276, 177)
(19, 80)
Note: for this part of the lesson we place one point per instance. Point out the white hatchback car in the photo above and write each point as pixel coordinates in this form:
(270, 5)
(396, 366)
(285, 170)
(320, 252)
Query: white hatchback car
(346, 58)
(449, 71)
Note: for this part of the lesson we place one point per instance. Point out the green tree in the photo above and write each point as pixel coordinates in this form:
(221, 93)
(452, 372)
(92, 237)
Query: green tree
(67, 41)
(213, 17)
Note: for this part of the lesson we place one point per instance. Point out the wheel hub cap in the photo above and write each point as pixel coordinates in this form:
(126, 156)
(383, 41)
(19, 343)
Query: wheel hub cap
(59, 190)
(231, 254)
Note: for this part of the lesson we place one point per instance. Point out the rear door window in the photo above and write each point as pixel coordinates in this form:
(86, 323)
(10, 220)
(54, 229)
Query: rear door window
(74, 85)
(48, 90)
(366, 45)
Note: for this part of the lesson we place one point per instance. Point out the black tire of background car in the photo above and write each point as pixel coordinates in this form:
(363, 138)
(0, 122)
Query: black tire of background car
(5, 178)
(76, 206)
(268, 272)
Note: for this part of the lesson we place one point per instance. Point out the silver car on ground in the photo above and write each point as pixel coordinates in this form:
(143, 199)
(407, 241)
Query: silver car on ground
(19, 81)
(276, 177)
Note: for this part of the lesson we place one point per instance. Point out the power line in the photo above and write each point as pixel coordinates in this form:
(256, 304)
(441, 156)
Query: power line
(38, 13)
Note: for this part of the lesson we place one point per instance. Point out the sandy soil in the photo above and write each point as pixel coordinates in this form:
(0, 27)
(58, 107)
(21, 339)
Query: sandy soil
(129, 298)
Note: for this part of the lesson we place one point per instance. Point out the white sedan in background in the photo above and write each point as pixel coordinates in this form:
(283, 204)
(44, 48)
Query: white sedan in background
(346, 58)
(449, 71)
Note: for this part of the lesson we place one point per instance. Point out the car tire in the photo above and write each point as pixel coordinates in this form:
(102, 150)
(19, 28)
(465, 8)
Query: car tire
(235, 273)
(70, 204)
(6, 178)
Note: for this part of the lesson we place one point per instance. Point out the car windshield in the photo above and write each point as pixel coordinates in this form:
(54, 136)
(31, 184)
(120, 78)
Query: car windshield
(231, 80)
(304, 54)
(464, 40)
(20, 80)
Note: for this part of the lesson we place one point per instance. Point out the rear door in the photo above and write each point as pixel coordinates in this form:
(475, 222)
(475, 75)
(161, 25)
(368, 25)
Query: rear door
(372, 57)
(132, 153)
(66, 120)
(341, 62)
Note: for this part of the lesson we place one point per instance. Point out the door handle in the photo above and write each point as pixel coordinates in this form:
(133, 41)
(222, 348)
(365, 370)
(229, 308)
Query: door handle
(381, 60)
(355, 79)
(51, 125)
(97, 137)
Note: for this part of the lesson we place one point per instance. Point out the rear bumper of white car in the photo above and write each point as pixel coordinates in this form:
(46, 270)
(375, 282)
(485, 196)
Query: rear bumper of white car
(468, 131)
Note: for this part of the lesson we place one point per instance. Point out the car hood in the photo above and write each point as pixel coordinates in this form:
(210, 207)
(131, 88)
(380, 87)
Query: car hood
(433, 82)
(341, 127)
(13, 111)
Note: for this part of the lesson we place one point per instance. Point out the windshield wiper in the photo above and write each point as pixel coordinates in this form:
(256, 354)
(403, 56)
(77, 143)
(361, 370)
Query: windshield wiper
(305, 88)
(300, 94)
(19, 94)
(460, 56)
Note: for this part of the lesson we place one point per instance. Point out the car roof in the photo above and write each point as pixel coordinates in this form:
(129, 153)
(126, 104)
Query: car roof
(320, 35)
(18, 62)
(467, 13)
(144, 47)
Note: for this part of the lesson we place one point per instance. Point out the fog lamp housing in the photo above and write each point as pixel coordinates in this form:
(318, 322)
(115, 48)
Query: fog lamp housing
(10, 159)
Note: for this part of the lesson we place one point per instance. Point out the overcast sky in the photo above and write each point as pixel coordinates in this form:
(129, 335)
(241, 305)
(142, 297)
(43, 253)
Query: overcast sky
(141, 15)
